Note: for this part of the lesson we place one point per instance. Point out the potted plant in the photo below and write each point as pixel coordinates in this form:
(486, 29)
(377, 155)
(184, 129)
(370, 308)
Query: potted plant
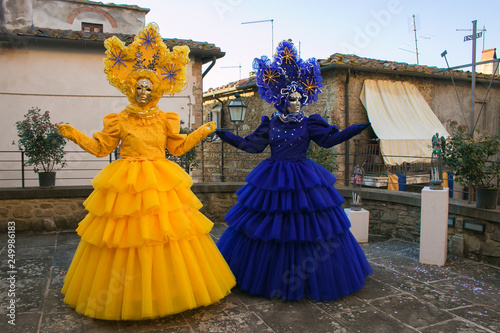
(474, 161)
(42, 145)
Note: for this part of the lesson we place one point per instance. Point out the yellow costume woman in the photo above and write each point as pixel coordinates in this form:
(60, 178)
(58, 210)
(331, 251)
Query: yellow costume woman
(145, 249)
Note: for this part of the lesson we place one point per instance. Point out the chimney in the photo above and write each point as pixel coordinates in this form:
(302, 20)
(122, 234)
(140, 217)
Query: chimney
(489, 54)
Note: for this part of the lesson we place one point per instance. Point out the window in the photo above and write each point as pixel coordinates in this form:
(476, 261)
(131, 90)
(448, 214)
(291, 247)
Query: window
(91, 27)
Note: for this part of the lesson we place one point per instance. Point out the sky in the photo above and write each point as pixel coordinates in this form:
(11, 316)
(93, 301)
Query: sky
(377, 29)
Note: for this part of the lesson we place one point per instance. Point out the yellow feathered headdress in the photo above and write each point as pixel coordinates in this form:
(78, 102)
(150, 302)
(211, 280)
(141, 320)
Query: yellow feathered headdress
(147, 56)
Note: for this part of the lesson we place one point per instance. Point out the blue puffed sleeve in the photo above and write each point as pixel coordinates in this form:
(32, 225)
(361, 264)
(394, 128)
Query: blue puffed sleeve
(252, 143)
(326, 135)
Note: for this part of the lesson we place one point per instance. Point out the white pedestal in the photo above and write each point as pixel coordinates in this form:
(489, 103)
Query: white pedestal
(434, 226)
(359, 223)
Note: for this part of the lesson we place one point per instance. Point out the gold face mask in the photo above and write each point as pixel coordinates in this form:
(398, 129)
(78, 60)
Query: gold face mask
(143, 91)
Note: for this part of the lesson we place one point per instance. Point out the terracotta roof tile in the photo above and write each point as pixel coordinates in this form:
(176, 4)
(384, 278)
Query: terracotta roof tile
(353, 60)
(93, 36)
(349, 59)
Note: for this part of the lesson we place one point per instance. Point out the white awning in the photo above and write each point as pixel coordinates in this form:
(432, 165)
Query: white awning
(401, 119)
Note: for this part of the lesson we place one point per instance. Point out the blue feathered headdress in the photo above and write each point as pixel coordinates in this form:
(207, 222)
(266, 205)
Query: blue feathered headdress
(286, 74)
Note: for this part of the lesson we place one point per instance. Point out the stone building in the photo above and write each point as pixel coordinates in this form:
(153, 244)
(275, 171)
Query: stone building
(51, 57)
(343, 80)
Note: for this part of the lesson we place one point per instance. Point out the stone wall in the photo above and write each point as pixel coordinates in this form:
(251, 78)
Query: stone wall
(392, 214)
(44, 214)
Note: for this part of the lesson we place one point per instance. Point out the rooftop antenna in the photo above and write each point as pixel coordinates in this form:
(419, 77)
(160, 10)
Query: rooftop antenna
(481, 33)
(413, 26)
(272, 31)
(415, 31)
(239, 66)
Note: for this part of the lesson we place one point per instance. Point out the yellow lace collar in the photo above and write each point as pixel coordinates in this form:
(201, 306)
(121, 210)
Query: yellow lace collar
(140, 116)
(140, 112)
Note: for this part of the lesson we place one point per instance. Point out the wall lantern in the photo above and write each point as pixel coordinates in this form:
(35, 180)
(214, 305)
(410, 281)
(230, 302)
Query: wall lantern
(237, 109)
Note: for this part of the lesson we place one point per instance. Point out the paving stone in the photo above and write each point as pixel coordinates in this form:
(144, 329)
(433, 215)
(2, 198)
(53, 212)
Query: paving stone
(227, 315)
(63, 256)
(35, 252)
(300, 316)
(473, 291)
(24, 322)
(74, 322)
(36, 240)
(414, 269)
(411, 311)
(481, 315)
(375, 289)
(371, 320)
(68, 239)
(247, 298)
(27, 293)
(174, 323)
(453, 325)
(348, 304)
(423, 291)
(27, 268)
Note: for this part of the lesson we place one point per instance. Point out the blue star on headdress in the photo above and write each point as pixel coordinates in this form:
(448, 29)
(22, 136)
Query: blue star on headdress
(170, 72)
(118, 59)
(148, 39)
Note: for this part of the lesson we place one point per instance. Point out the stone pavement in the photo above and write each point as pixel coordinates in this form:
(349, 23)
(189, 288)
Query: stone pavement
(401, 296)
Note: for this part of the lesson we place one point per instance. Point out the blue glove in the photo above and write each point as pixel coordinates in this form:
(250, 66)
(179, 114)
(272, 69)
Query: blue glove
(362, 127)
(220, 134)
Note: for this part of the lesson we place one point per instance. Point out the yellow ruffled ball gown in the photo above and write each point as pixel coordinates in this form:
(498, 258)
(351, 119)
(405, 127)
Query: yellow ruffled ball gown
(145, 249)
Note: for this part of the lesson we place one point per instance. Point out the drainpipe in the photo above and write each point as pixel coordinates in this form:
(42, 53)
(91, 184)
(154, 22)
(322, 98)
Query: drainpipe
(346, 118)
(214, 59)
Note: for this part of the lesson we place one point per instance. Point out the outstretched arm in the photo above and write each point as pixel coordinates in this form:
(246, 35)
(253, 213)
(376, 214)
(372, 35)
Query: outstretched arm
(253, 143)
(179, 144)
(327, 136)
(102, 143)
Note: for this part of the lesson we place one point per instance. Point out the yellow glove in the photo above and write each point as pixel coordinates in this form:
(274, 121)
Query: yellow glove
(178, 144)
(66, 130)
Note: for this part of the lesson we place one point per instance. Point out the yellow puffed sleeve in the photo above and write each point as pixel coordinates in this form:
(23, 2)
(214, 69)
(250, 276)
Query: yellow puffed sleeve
(178, 144)
(102, 143)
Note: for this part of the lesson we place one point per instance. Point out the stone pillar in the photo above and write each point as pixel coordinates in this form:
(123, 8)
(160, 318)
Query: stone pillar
(359, 223)
(434, 226)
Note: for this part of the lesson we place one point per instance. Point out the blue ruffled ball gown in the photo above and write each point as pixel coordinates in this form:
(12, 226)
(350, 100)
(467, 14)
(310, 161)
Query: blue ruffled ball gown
(288, 236)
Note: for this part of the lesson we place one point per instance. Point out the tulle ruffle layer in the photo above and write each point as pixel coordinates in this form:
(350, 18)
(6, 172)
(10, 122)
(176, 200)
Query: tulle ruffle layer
(142, 202)
(133, 231)
(281, 175)
(309, 200)
(134, 176)
(288, 227)
(146, 282)
(321, 271)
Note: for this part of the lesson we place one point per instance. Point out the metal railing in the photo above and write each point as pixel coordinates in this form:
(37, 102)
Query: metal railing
(226, 164)
(81, 168)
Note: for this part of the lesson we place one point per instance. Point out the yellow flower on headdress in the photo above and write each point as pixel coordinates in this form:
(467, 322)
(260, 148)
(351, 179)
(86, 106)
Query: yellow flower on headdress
(148, 54)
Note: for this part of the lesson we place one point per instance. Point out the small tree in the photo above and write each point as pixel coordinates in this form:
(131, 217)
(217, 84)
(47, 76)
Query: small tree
(472, 159)
(41, 141)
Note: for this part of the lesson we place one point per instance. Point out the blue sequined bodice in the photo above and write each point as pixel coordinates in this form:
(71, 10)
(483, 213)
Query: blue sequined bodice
(288, 141)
